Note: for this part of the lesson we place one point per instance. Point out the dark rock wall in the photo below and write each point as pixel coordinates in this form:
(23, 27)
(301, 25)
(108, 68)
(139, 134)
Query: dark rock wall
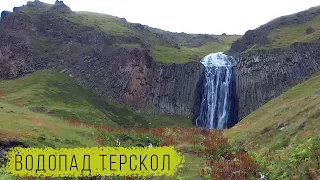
(133, 79)
(265, 74)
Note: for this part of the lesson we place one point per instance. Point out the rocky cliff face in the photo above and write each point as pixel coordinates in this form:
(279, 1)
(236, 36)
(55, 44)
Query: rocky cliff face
(265, 69)
(97, 61)
(265, 74)
(134, 79)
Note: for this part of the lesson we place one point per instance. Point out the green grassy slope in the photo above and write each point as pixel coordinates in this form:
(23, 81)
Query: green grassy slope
(40, 130)
(287, 128)
(185, 54)
(160, 50)
(48, 108)
(282, 32)
(285, 36)
(58, 95)
(163, 48)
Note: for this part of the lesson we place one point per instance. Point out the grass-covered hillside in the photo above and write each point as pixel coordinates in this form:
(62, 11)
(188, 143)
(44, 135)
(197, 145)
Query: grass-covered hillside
(48, 109)
(302, 27)
(165, 47)
(56, 94)
(285, 133)
(285, 36)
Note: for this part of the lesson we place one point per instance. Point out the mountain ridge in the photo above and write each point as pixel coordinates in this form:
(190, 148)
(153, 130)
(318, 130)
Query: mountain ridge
(260, 37)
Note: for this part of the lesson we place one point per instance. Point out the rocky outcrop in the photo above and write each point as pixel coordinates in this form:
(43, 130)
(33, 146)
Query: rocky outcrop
(4, 14)
(61, 8)
(265, 74)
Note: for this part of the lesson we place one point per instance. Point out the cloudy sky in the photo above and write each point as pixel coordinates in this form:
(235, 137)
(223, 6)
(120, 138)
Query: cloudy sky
(190, 16)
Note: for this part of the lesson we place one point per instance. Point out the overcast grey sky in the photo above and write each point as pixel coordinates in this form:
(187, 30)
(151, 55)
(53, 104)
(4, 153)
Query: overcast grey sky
(190, 16)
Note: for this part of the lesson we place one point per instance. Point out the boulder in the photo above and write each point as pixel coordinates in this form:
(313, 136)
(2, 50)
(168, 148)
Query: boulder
(309, 30)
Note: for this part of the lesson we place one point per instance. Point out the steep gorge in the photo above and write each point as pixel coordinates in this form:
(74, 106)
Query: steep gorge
(39, 36)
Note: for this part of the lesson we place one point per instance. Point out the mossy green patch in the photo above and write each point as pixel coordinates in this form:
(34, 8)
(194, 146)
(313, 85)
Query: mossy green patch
(286, 36)
(57, 94)
(37, 129)
(184, 54)
(103, 22)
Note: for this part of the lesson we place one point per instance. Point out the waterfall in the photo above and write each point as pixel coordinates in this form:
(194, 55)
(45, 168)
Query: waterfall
(216, 110)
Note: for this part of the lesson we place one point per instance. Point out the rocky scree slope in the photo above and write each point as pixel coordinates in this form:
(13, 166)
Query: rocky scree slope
(275, 57)
(104, 53)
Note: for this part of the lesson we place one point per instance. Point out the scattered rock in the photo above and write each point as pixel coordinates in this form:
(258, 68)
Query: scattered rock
(124, 20)
(282, 126)
(265, 130)
(176, 46)
(309, 30)
(138, 26)
(302, 125)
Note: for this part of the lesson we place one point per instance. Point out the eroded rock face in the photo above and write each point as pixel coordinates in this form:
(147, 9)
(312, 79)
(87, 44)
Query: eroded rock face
(133, 79)
(265, 74)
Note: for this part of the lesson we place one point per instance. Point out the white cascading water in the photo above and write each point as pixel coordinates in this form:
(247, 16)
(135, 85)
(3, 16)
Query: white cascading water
(216, 96)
